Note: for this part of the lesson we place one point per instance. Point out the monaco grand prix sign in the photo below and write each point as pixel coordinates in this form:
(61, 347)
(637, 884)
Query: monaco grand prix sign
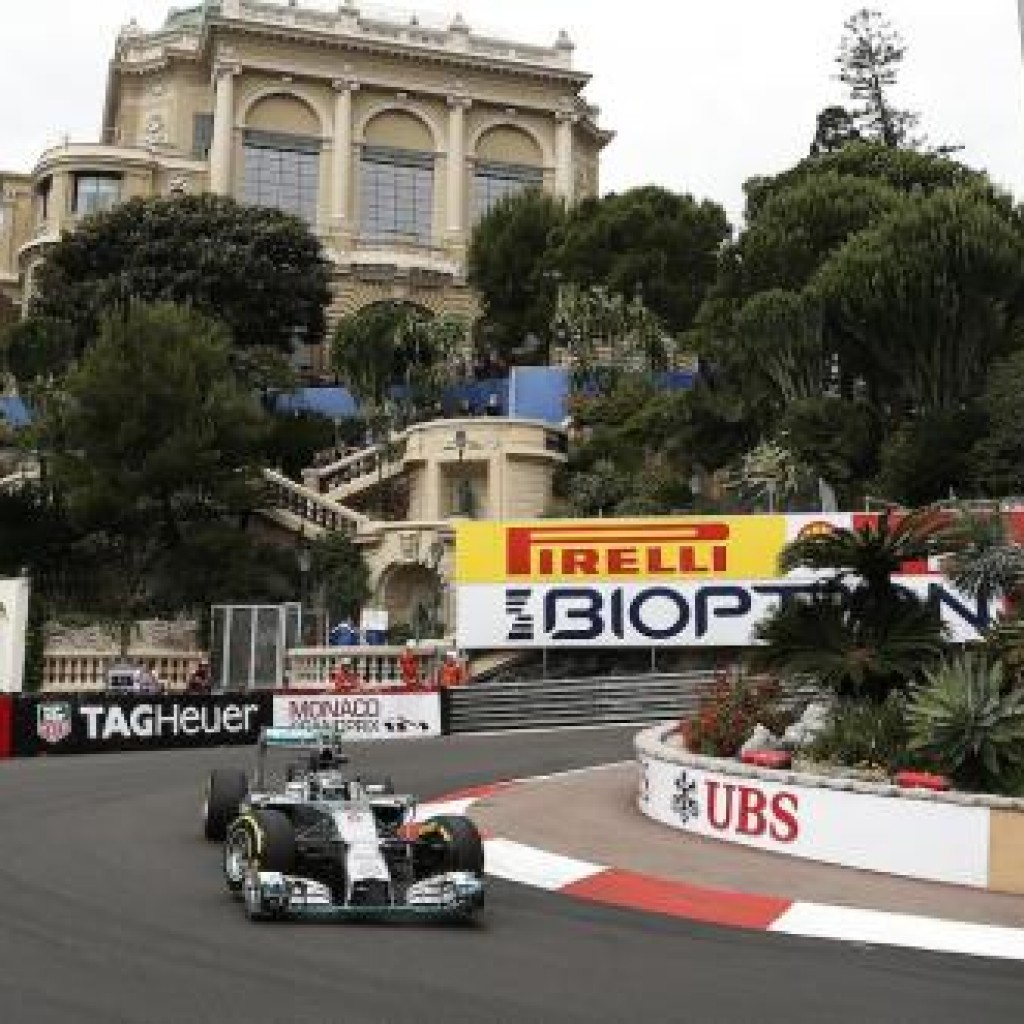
(675, 582)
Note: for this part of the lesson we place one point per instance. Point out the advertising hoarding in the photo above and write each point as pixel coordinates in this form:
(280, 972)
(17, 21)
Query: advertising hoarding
(857, 830)
(363, 716)
(659, 582)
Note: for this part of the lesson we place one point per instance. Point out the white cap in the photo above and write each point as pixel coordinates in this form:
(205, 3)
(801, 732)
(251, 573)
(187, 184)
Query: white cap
(410, 643)
(451, 654)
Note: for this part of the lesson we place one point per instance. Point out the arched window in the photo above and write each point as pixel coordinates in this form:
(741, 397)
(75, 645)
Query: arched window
(281, 157)
(396, 180)
(508, 162)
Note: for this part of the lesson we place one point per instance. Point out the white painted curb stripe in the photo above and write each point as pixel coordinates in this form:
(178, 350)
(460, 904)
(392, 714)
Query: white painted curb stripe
(429, 810)
(529, 866)
(847, 924)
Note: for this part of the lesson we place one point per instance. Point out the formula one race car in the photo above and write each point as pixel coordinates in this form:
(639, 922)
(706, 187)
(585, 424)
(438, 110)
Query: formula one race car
(312, 840)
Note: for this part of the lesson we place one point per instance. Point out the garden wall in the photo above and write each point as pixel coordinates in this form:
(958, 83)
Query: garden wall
(958, 838)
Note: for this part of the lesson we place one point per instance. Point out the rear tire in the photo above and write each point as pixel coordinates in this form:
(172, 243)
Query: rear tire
(450, 842)
(226, 788)
(260, 841)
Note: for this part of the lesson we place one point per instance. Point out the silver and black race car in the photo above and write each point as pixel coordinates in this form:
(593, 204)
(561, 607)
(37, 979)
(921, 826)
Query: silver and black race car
(310, 839)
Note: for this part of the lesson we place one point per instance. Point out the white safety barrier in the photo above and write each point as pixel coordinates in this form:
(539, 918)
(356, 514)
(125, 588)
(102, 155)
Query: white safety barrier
(964, 839)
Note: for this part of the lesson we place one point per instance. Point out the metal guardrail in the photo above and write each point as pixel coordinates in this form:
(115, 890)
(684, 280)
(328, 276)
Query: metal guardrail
(561, 702)
(604, 700)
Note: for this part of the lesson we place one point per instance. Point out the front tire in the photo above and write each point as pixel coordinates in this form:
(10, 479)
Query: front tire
(258, 841)
(450, 842)
(226, 788)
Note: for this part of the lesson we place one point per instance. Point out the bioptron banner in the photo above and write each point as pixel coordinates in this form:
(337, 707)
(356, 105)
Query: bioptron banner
(667, 582)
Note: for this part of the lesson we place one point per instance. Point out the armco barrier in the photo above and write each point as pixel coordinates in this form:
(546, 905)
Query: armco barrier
(85, 724)
(6, 725)
(959, 838)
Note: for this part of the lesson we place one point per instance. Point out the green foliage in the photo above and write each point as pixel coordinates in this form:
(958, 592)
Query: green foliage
(865, 734)
(338, 567)
(920, 304)
(997, 459)
(295, 438)
(507, 262)
(726, 716)
(984, 562)
(849, 642)
(906, 170)
(646, 238)
(36, 348)
(872, 552)
(836, 438)
(153, 437)
(391, 343)
(909, 471)
(835, 127)
(799, 226)
(962, 720)
(869, 62)
(258, 270)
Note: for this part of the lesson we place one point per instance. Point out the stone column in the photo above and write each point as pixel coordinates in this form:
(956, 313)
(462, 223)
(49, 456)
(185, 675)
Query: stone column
(222, 144)
(341, 178)
(564, 121)
(457, 107)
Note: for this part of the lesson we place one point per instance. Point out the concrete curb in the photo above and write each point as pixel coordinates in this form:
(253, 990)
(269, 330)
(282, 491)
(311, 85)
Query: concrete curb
(619, 887)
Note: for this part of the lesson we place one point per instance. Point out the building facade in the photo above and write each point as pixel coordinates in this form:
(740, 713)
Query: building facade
(388, 135)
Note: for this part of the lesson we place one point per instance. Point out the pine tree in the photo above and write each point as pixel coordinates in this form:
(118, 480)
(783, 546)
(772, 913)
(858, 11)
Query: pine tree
(870, 57)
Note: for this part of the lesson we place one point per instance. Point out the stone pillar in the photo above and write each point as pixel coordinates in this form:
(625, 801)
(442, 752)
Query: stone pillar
(564, 122)
(341, 177)
(457, 107)
(223, 142)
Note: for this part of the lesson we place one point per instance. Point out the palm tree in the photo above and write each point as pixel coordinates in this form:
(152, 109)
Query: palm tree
(873, 552)
(827, 637)
(860, 633)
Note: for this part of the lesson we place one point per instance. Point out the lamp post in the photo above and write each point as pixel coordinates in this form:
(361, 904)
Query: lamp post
(305, 562)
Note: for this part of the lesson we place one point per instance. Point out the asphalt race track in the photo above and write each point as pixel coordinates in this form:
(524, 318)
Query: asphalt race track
(112, 910)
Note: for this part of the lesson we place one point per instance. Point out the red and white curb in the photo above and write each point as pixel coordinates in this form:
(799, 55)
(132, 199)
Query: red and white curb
(618, 887)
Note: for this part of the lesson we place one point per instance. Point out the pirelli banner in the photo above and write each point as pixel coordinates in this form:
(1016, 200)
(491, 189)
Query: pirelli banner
(664, 582)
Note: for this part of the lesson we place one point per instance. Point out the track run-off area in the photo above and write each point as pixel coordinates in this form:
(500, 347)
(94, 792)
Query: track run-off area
(112, 910)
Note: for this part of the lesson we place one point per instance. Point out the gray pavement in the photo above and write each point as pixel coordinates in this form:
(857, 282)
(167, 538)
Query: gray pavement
(112, 910)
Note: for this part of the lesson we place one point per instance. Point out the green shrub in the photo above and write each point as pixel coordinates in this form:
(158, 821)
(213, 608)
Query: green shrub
(864, 733)
(961, 719)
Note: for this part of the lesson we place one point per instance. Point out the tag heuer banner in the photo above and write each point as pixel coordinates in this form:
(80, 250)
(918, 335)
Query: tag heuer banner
(683, 581)
(91, 723)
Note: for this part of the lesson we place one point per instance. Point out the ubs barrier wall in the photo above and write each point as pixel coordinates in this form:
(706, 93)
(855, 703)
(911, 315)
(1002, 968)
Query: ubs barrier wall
(47, 724)
(959, 838)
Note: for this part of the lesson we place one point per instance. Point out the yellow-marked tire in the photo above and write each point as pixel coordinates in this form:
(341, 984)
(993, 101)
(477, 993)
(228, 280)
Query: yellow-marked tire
(226, 788)
(450, 842)
(258, 839)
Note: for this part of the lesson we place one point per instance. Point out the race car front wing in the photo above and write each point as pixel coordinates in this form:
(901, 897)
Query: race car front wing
(271, 895)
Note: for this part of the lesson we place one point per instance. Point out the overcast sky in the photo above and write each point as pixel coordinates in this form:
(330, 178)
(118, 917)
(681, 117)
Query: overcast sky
(702, 93)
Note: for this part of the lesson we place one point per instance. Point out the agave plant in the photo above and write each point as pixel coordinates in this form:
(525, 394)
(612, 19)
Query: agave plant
(960, 718)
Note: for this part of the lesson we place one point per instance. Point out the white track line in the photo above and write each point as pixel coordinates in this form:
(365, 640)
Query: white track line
(819, 921)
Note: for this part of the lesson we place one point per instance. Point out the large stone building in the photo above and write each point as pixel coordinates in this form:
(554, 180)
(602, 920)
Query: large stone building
(388, 135)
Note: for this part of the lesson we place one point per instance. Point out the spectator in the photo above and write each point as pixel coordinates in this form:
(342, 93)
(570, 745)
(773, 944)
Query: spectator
(452, 673)
(344, 677)
(409, 666)
(200, 681)
(147, 681)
